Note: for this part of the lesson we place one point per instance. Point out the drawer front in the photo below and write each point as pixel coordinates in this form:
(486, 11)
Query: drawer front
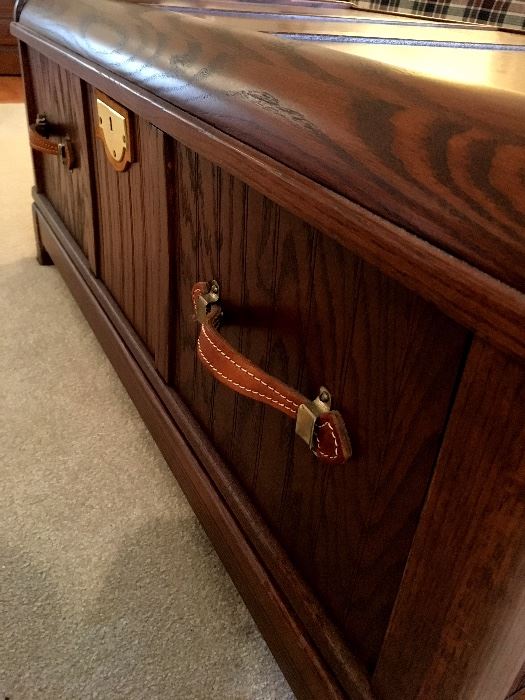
(134, 234)
(310, 313)
(63, 98)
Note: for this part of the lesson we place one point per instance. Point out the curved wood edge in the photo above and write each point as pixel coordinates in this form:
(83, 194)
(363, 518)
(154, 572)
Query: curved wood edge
(17, 9)
(327, 640)
(411, 147)
(474, 299)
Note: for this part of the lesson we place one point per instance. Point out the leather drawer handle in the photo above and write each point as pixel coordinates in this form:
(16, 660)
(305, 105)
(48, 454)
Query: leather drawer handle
(39, 141)
(321, 428)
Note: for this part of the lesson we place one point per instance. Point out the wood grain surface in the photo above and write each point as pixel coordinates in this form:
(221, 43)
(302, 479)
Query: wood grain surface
(441, 157)
(312, 314)
(62, 97)
(135, 234)
(457, 629)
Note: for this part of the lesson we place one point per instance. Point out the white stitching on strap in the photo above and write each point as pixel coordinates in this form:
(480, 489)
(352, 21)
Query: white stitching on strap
(324, 454)
(251, 374)
(251, 391)
(257, 393)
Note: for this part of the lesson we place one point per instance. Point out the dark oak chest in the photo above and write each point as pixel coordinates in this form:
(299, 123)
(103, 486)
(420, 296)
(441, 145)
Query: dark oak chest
(364, 223)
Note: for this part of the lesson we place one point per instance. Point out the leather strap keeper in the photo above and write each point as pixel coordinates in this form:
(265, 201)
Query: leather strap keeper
(42, 144)
(329, 441)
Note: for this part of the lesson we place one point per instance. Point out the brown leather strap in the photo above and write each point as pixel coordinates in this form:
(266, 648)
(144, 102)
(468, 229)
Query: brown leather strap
(332, 444)
(53, 148)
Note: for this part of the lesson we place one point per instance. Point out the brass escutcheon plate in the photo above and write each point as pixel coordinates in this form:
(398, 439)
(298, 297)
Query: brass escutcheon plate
(113, 129)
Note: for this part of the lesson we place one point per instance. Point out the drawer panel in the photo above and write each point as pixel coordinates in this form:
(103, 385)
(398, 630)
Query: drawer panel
(134, 234)
(63, 98)
(312, 314)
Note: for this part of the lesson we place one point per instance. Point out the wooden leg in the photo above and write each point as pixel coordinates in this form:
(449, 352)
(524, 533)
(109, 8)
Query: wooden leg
(457, 628)
(42, 255)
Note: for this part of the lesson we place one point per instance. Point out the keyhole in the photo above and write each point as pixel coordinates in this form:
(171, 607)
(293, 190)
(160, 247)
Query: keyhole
(110, 124)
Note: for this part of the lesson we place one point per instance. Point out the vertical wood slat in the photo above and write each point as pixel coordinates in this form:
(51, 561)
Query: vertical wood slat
(60, 96)
(311, 313)
(334, 283)
(401, 371)
(255, 278)
(205, 179)
(184, 359)
(231, 245)
(135, 236)
(292, 267)
(457, 627)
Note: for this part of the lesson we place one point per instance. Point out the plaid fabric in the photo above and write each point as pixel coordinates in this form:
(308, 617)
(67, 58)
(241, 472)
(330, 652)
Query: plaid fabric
(501, 14)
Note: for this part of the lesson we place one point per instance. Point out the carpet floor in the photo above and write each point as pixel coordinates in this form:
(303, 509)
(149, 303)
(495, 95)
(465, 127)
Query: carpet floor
(108, 586)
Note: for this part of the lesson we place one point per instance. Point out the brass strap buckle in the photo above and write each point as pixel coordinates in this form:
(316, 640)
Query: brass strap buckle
(308, 413)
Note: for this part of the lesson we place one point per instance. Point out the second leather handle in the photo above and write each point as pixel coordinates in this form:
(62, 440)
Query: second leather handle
(323, 429)
(43, 144)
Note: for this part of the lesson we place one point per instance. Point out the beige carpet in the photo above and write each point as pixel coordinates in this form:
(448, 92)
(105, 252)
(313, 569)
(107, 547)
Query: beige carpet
(108, 586)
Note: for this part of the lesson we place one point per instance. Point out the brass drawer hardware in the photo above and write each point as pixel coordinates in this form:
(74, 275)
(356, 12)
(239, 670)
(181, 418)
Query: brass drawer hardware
(113, 129)
(204, 300)
(308, 413)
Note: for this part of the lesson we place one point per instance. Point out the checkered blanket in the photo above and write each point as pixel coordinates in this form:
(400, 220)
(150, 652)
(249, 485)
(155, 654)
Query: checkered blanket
(501, 14)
